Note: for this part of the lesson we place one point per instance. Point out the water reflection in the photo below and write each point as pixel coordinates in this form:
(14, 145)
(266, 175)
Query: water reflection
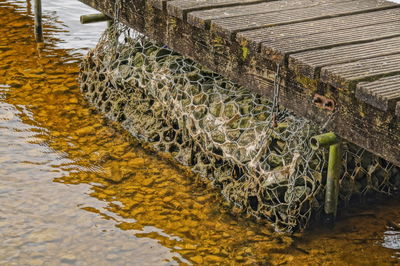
(76, 189)
(49, 134)
(391, 239)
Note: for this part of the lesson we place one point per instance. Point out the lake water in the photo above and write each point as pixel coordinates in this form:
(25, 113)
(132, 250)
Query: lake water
(77, 189)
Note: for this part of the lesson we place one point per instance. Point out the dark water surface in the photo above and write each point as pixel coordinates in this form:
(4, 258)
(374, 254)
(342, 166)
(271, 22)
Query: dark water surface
(75, 189)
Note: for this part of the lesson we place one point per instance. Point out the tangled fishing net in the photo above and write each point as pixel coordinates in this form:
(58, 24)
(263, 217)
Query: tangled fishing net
(256, 152)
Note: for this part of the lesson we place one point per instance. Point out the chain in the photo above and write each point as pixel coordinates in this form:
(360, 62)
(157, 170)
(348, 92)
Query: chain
(117, 9)
(275, 97)
(328, 120)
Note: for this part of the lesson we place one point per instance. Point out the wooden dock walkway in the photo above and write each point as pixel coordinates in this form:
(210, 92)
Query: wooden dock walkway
(339, 60)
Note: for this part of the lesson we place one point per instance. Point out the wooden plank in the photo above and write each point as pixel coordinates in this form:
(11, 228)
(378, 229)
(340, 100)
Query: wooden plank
(347, 75)
(279, 50)
(310, 63)
(202, 18)
(179, 8)
(227, 27)
(255, 37)
(382, 94)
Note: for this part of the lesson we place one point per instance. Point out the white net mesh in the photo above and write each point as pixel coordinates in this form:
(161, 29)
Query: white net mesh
(255, 151)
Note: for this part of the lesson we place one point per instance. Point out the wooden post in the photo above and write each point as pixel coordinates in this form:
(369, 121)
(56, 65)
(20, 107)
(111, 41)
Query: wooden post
(38, 21)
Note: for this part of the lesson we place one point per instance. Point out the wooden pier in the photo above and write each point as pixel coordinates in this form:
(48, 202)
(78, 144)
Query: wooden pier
(338, 60)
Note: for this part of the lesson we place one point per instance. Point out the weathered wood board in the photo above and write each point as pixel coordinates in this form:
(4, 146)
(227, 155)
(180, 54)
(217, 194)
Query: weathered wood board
(179, 8)
(383, 93)
(345, 50)
(347, 75)
(310, 63)
(229, 26)
(203, 18)
(317, 26)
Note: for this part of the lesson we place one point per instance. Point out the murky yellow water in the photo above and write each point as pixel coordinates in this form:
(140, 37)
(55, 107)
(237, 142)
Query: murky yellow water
(76, 189)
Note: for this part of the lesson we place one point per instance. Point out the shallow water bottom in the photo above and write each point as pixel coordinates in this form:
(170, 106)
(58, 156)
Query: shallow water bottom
(76, 189)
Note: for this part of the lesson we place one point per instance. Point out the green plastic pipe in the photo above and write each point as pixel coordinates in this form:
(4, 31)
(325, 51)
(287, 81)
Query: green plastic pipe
(334, 169)
(332, 180)
(93, 18)
(323, 140)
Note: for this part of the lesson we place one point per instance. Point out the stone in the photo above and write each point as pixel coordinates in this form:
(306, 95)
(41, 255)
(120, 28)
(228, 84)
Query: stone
(298, 194)
(68, 258)
(230, 110)
(85, 131)
(197, 259)
(218, 137)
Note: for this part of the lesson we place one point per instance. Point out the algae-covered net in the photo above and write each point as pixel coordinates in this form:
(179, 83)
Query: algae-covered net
(256, 152)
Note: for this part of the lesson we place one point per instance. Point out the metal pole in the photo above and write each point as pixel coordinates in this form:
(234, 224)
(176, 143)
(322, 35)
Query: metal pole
(38, 21)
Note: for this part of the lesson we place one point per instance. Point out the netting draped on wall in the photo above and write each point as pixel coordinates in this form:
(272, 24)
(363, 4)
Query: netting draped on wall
(254, 150)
